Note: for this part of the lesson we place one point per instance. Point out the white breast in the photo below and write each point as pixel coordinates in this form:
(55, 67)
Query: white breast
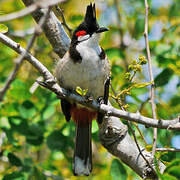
(90, 74)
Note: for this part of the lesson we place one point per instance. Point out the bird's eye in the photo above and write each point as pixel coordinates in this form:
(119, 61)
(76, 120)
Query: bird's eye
(81, 33)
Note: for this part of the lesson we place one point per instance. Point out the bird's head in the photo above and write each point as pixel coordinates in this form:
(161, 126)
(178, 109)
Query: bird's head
(89, 28)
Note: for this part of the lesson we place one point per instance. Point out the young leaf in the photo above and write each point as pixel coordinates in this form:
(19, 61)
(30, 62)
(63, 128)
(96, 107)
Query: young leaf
(3, 28)
(149, 147)
(79, 90)
(85, 92)
(141, 85)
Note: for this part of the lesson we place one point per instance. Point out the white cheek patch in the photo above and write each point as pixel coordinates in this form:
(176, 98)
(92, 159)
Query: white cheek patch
(83, 38)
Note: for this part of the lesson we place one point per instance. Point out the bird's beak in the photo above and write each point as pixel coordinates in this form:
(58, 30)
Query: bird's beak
(102, 29)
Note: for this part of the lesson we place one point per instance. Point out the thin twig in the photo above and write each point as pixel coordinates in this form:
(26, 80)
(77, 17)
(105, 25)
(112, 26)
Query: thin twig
(28, 10)
(63, 93)
(19, 61)
(63, 19)
(133, 133)
(168, 149)
(151, 75)
(121, 33)
(140, 151)
(53, 30)
(116, 3)
(117, 100)
(140, 133)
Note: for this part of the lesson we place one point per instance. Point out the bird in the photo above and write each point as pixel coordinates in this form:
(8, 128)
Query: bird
(84, 65)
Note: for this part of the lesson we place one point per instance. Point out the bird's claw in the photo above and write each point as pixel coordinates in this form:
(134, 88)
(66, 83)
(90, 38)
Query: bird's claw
(89, 99)
(100, 100)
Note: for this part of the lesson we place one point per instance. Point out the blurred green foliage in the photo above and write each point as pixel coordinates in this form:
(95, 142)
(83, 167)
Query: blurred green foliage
(37, 143)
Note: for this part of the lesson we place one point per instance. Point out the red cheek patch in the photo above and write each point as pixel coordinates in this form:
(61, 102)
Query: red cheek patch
(81, 33)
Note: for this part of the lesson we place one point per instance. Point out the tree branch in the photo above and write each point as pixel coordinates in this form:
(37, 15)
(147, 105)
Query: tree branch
(168, 149)
(29, 9)
(151, 75)
(135, 139)
(50, 83)
(19, 61)
(64, 20)
(115, 138)
(53, 30)
(134, 135)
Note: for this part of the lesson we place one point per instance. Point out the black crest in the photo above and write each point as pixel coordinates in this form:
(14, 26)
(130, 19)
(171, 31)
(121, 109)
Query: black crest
(90, 18)
(89, 24)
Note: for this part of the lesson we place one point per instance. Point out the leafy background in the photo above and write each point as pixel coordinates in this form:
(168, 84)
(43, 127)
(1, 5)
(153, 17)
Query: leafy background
(37, 143)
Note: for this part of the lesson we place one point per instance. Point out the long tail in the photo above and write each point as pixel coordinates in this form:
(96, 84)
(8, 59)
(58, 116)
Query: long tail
(82, 163)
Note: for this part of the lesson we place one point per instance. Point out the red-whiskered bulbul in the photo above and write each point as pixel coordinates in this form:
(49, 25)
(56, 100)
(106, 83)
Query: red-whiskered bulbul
(84, 65)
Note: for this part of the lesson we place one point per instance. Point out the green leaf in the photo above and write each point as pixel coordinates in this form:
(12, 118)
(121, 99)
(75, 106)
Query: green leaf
(9, 109)
(18, 124)
(57, 141)
(94, 126)
(164, 77)
(3, 28)
(172, 164)
(116, 70)
(162, 48)
(114, 53)
(118, 171)
(172, 170)
(14, 160)
(175, 100)
(138, 28)
(163, 61)
(76, 18)
(138, 91)
(27, 109)
(34, 135)
(175, 171)
(169, 156)
(37, 175)
(168, 177)
(19, 91)
(4, 123)
(1, 12)
(162, 112)
(174, 10)
(48, 112)
(27, 165)
(14, 176)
